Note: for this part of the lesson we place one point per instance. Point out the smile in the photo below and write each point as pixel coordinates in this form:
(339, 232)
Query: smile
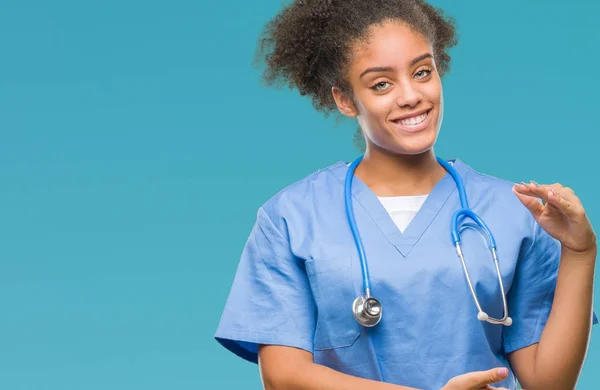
(414, 123)
(415, 120)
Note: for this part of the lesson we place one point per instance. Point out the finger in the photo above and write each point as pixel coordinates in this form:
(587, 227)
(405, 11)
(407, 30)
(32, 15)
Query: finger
(537, 190)
(529, 200)
(572, 209)
(483, 378)
(566, 192)
(559, 197)
(541, 192)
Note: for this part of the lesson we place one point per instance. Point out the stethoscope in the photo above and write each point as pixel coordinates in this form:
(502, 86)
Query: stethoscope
(366, 309)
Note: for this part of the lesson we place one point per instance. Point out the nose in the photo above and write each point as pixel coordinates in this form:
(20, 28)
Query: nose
(409, 95)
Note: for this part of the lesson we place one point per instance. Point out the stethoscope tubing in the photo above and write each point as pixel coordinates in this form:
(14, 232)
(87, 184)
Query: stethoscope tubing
(465, 211)
(354, 228)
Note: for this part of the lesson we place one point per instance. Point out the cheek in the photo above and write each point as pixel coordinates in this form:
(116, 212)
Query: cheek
(374, 109)
(433, 92)
(380, 107)
(441, 109)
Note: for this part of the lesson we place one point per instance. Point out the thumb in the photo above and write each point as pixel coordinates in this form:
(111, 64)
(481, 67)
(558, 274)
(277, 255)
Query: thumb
(531, 203)
(479, 379)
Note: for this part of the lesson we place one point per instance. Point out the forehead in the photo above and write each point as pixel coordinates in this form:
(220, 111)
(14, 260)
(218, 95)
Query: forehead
(389, 43)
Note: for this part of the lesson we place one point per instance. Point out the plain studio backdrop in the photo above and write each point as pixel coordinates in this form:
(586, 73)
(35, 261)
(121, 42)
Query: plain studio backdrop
(136, 145)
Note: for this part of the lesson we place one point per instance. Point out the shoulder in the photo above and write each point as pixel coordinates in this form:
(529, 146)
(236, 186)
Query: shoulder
(492, 192)
(303, 197)
(484, 181)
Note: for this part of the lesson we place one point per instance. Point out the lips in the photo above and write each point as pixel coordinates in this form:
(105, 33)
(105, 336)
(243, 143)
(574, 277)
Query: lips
(413, 123)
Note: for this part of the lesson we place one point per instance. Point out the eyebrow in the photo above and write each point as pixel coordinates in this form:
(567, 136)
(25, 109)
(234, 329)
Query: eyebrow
(389, 68)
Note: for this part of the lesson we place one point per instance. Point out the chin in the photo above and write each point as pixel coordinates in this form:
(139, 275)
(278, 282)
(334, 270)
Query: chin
(414, 144)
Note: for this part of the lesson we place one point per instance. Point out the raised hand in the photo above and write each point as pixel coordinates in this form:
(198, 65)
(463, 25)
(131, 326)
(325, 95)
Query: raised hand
(560, 214)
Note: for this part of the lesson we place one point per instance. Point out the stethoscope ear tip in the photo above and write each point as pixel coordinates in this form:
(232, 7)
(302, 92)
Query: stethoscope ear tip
(481, 316)
(508, 321)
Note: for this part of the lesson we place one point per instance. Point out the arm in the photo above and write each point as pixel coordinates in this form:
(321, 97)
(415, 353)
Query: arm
(556, 361)
(293, 369)
(290, 368)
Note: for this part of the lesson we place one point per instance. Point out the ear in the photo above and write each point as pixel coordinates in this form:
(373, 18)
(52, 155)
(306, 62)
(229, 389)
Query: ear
(343, 102)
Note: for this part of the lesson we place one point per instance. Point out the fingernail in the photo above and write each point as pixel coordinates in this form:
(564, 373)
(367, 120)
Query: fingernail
(503, 371)
(534, 183)
(552, 192)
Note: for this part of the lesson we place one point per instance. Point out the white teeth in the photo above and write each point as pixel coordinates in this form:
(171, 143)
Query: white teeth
(415, 120)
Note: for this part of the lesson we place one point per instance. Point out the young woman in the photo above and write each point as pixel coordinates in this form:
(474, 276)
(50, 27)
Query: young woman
(431, 312)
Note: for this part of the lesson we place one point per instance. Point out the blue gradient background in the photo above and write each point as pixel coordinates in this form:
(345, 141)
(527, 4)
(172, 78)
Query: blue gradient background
(136, 144)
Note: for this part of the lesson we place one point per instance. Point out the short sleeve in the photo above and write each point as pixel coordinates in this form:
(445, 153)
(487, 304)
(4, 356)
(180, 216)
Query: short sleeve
(532, 292)
(270, 301)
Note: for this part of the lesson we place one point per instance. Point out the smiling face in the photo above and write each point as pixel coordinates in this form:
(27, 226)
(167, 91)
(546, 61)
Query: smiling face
(397, 92)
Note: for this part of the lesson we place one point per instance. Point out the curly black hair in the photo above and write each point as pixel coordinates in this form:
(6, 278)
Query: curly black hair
(307, 44)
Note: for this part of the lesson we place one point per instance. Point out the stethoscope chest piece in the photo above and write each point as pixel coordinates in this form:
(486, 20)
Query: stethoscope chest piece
(367, 311)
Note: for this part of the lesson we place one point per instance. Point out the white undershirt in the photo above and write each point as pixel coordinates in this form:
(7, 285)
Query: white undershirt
(402, 209)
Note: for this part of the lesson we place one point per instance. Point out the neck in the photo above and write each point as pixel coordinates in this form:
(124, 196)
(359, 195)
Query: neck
(399, 175)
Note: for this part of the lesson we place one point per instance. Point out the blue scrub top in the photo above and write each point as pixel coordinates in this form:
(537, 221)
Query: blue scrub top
(300, 271)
